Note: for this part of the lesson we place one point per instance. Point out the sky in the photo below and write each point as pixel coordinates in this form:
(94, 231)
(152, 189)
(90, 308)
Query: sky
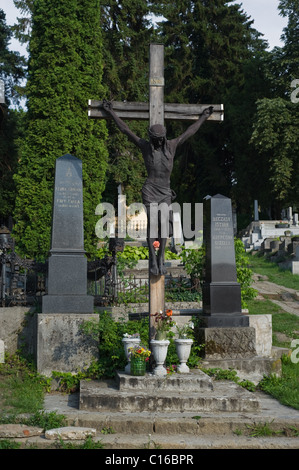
(264, 13)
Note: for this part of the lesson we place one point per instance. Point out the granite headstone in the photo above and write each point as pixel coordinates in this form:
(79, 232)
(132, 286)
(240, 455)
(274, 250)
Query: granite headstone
(67, 275)
(221, 291)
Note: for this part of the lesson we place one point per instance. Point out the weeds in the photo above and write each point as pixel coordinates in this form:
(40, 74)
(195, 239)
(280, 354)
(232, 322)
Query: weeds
(229, 374)
(89, 443)
(262, 430)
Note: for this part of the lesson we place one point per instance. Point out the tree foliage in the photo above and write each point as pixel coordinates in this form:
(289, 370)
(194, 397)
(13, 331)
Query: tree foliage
(65, 70)
(275, 133)
(127, 33)
(213, 55)
(12, 71)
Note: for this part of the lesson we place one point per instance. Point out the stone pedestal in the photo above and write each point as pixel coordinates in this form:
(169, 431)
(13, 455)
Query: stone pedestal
(228, 343)
(61, 345)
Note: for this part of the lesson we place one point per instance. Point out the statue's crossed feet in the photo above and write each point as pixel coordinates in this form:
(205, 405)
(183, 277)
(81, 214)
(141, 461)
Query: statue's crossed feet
(162, 269)
(156, 271)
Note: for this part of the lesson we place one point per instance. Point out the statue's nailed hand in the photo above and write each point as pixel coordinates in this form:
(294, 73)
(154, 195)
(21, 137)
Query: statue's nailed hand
(107, 105)
(208, 111)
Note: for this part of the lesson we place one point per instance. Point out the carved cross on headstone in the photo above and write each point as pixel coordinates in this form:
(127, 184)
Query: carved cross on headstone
(156, 112)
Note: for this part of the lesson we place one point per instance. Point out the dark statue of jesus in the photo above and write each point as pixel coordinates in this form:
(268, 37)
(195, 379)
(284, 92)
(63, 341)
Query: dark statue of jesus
(158, 154)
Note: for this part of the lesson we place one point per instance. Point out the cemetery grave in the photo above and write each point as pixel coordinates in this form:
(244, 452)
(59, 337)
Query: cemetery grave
(231, 338)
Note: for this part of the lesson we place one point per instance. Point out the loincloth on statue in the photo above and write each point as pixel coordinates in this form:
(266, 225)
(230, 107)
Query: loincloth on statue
(152, 193)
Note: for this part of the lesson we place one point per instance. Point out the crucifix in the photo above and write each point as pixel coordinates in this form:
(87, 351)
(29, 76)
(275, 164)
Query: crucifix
(158, 155)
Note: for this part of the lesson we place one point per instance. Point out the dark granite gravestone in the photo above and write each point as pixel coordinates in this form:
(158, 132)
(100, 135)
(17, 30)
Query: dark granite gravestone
(221, 291)
(67, 276)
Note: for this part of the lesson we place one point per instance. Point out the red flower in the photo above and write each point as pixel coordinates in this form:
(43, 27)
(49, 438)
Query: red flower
(156, 244)
(168, 313)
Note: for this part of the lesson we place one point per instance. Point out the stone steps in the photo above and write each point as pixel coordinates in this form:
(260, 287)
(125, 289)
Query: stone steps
(103, 396)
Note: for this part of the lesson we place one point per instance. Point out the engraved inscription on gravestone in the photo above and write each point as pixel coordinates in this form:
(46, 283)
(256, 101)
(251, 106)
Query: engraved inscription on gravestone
(67, 229)
(67, 276)
(221, 291)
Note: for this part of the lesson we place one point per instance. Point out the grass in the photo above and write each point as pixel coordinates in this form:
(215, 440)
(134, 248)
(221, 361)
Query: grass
(282, 277)
(285, 328)
(21, 388)
(286, 388)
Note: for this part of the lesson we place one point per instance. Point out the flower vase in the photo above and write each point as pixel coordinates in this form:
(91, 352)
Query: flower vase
(129, 343)
(159, 351)
(183, 348)
(138, 366)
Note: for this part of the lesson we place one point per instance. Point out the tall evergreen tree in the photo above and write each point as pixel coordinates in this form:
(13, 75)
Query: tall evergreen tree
(12, 71)
(127, 33)
(65, 70)
(275, 132)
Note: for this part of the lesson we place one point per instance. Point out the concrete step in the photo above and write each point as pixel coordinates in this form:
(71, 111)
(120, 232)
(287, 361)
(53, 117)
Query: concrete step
(147, 447)
(106, 396)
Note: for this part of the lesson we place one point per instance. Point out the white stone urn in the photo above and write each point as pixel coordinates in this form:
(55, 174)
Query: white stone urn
(183, 348)
(129, 343)
(159, 351)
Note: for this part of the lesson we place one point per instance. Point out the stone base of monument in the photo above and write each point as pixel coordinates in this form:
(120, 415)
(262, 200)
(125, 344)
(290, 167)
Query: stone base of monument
(227, 342)
(191, 392)
(246, 350)
(61, 345)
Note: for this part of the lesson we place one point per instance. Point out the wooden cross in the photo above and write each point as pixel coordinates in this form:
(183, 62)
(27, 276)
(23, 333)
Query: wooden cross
(156, 112)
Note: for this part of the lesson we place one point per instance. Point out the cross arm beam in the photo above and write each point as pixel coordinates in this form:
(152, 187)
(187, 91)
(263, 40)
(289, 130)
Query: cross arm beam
(140, 111)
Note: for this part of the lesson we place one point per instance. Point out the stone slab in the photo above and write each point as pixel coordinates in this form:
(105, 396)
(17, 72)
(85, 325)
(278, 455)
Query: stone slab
(11, 431)
(70, 433)
(228, 343)
(252, 369)
(193, 382)
(61, 345)
(104, 397)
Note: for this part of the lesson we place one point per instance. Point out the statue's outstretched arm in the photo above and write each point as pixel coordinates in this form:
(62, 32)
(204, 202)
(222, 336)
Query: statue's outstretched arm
(108, 106)
(194, 127)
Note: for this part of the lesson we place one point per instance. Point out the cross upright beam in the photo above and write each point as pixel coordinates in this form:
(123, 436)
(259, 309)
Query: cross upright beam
(156, 85)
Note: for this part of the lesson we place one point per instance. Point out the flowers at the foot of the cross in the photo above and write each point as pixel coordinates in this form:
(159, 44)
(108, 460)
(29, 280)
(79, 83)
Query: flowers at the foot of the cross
(171, 369)
(163, 320)
(185, 331)
(156, 245)
(140, 351)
